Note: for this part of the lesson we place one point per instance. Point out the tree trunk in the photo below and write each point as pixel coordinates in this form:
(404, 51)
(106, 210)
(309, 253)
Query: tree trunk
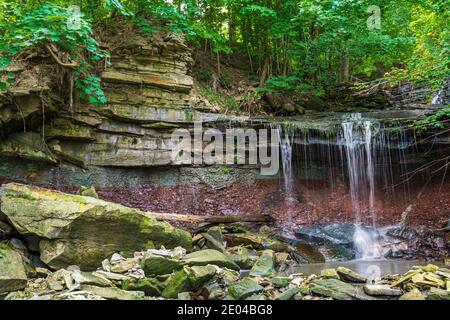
(264, 70)
(345, 68)
(210, 219)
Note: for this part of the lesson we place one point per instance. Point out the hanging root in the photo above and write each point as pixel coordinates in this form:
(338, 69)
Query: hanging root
(63, 64)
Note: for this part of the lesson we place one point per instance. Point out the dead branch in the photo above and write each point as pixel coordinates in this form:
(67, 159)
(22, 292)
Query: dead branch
(210, 219)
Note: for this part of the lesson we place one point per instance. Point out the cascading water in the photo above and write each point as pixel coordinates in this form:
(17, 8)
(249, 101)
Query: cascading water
(357, 138)
(365, 151)
(286, 157)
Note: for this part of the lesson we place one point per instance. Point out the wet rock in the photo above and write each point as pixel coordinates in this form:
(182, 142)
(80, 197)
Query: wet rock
(337, 233)
(264, 266)
(337, 252)
(308, 252)
(402, 232)
(114, 293)
(159, 265)
(350, 276)
(209, 256)
(333, 288)
(244, 289)
(412, 295)
(150, 286)
(381, 290)
(438, 294)
(12, 270)
(75, 230)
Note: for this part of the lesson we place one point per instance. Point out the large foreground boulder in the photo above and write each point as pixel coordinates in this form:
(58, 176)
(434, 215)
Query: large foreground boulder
(77, 230)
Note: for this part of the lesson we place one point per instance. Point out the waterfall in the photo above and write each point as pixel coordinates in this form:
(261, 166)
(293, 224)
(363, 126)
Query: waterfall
(286, 157)
(437, 99)
(357, 138)
(370, 168)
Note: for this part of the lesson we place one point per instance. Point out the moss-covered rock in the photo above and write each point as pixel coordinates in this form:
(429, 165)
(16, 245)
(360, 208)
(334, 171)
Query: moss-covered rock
(209, 256)
(151, 286)
(176, 284)
(76, 230)
(265, 265)
(12, 271)
(244, 289)
(438, 294)
(159, 265)
(333, 288)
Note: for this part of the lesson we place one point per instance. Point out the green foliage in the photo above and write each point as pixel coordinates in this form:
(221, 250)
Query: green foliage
(47, 24)
(434, 121)
(296, 44)
(223, 100)
(280, 84)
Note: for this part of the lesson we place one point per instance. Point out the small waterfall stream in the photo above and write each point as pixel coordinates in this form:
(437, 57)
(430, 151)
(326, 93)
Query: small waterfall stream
(358, 136)
(358, 146)
(286, 157)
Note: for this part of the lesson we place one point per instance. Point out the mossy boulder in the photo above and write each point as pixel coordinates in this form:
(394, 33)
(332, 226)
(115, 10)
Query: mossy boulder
(188, 279)
(151, 287)
(350, 276)
(77, 230)
(159, 265)
(12, 271)
(244, 289)
(265, 265)
(209, 256)
(333, 288)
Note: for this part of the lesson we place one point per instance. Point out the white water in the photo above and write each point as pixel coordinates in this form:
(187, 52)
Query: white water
(358, 136)
(437, 98)
(360, 149)
(286, 157)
